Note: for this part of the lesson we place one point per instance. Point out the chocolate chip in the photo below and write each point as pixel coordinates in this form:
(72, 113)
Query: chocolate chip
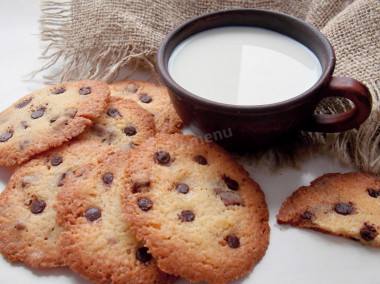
(182, 188)
(24, 103)
(368, 232)
(53, 119)
(93, 213)
(162, 157)
(56, 160)
(130, 130)
(6, 136)
(230, 198)
(307, 215)
(38, 113)
(145, 98)
(143, 255)
(59, 91)
(200, 160)
(232, 184)
(233, 241)
(145, 204)
(344, 208)
(107, 178)
(19, 226)
(112, 112)
(62, 179)
(373, 192)
(85, 91)
(37, 206)
(187, 216)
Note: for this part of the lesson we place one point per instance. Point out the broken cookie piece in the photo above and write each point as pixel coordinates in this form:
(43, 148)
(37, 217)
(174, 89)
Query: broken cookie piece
(340, 204)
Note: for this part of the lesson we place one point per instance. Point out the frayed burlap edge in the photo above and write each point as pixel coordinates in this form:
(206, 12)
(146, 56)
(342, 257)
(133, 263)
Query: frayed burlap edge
(55, 24)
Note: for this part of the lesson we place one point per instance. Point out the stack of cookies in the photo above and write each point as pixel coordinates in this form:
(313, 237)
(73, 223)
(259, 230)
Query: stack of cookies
(107, 185)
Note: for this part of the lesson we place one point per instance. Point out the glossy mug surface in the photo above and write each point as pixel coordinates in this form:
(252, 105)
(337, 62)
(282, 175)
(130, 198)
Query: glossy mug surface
(246, 121)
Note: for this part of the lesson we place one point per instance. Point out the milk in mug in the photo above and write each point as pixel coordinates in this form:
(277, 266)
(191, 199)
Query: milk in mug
(244, 66)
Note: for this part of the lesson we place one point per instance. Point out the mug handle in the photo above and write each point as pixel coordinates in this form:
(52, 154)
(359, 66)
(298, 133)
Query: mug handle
(347, 88)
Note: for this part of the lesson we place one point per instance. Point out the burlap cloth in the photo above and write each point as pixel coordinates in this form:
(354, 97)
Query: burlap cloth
(95, 39)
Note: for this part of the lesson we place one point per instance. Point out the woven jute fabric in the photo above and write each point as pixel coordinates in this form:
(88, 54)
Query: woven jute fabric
(95, 39)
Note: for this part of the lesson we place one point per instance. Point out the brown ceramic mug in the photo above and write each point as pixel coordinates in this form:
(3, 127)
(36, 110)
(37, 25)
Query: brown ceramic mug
(241, 127)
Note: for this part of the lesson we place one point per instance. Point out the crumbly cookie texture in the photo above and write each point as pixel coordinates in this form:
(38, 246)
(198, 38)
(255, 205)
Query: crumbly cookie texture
(28, 228)
(153, 98)
(97, 243)
(198, 211)
(48, 117)
(123, 125)
(346, 205)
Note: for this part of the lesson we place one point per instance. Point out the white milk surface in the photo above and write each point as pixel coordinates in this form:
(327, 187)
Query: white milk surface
(244, 66)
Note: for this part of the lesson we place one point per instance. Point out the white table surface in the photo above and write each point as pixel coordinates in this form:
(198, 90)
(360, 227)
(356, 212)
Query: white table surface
(294, 255)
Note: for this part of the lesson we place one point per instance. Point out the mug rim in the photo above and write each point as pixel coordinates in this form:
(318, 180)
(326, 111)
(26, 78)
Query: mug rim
(182, 30)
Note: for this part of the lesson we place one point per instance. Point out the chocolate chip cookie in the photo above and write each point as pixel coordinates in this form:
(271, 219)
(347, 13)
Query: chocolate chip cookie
(153, 98)
(123, 125)
(28, 228)
(197, 210)
(346, 205)
(98, 244)
(48, 117)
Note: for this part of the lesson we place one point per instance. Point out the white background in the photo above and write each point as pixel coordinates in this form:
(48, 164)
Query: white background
(294, 255)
